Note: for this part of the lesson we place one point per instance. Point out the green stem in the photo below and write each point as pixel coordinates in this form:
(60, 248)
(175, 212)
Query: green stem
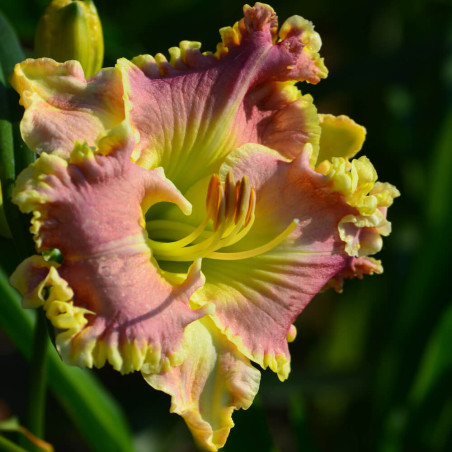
(8, 446)
(38, 374)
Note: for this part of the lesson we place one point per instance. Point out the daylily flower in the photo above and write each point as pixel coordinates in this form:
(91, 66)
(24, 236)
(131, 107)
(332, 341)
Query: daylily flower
(199, 205)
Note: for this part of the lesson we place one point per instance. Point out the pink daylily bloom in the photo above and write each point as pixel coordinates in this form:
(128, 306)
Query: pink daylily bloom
(199, 205)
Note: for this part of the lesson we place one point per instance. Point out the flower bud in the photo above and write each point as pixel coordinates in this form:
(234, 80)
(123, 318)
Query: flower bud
(71, 30)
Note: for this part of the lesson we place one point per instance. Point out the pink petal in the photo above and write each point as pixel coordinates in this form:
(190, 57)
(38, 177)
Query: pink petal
(264, 294)
(196, 108)
(91, 210)
(62, 107)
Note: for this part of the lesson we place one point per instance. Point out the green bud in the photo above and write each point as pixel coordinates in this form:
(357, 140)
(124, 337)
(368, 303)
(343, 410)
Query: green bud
(71, 30)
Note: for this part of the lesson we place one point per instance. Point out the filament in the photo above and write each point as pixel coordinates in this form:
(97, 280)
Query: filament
(229, 212)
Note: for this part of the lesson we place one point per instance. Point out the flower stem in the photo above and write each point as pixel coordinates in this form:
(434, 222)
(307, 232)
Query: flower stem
(37, 383)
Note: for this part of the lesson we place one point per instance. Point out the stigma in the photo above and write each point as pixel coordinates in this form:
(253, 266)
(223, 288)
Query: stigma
(230, 214)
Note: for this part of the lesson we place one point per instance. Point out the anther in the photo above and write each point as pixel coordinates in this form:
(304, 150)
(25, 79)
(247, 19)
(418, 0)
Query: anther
(229, 193)
(251, 207)
(213, 196)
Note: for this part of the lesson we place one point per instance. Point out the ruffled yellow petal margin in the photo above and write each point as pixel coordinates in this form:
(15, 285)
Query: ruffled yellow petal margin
(259, 18)
(41, 285)
(62, 107)
(295, 27)
(214, 380)
(356, 180)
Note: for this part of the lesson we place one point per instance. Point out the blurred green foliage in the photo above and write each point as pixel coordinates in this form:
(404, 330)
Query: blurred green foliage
(372, 367)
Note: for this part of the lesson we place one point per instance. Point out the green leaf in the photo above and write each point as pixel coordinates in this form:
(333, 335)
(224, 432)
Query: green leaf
(437, 359)
(10, 141)
(8, 446)
(299, 421)
(421, 308)
(430, 398)
(12, 425)
(414, 319)
(90, 407)
(10, 50)
(10, 54)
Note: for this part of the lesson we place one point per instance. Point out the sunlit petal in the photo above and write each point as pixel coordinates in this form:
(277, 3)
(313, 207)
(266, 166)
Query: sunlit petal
(107, 299)
(214, 380)
(61, 106)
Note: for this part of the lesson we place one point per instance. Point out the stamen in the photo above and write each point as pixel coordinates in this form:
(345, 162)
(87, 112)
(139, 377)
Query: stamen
(155, 245)
(169, 230)
(243, 199)
(238, 235)
(256, 251)
(221, 210)
(229, 190)
(252, 206)
(230, 209)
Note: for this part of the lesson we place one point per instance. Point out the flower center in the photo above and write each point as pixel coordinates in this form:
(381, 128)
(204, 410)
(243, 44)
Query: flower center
(230, 208)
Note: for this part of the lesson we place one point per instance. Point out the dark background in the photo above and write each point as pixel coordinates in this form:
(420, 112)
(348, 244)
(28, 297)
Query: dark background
(372, 367)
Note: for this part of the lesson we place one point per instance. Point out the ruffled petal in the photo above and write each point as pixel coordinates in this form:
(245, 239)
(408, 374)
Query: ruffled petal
(357, 182)
(357, 268)
(265, 293)
(340, 137)
(107, 299)
(214, 380)
(193, 110)
(61, 106)
(282, 119)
